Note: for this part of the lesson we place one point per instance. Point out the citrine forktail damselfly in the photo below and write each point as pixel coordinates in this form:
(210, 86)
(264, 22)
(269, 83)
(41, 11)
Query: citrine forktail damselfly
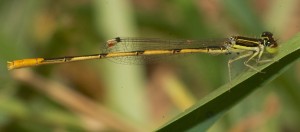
(244, 47)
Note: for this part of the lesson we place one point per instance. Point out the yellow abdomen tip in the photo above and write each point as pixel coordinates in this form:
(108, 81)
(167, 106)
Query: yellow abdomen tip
(23, 63)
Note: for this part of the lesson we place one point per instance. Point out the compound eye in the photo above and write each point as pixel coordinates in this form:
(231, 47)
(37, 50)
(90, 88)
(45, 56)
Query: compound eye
(267, 34)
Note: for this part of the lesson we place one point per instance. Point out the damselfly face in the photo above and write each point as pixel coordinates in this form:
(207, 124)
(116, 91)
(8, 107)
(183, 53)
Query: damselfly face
(269, 42)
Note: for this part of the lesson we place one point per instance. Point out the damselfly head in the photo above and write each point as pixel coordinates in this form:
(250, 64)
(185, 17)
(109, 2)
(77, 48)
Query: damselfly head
(269, 42)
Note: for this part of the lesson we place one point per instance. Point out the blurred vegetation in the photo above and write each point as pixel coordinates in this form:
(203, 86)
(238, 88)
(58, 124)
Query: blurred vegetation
(102, 95)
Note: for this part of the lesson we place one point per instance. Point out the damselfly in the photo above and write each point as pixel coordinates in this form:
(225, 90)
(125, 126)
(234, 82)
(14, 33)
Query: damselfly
(244, 47)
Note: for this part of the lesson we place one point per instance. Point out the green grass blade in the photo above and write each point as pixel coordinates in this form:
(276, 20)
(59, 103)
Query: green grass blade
(204, 113)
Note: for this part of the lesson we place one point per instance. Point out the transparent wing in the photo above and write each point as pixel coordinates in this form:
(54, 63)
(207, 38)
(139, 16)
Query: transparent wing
(143, 44)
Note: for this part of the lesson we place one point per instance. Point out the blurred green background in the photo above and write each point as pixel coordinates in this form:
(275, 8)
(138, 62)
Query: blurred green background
(102, 95)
